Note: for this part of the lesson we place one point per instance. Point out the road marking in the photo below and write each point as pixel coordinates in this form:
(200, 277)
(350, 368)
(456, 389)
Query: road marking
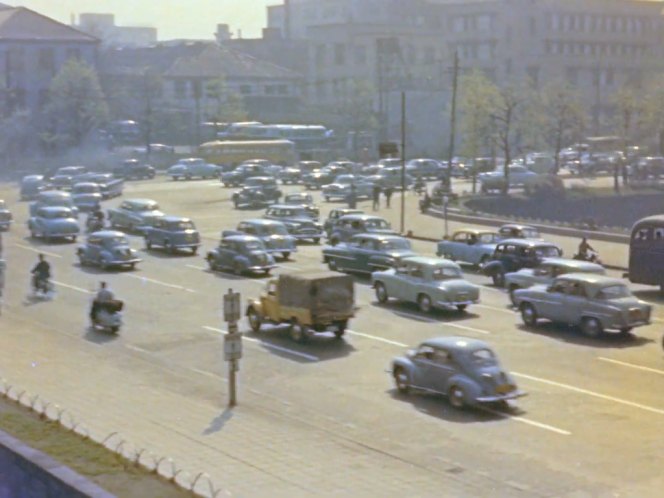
(159, 282)
(469, 329)
(207, 374)
(376, 338)
(139, 349)
(309, 357)
(631, 365)
(606, 397)
(528, 421)
(72, 287)
(196, 267)
(33, 249)
(415, 316)
(495, 308)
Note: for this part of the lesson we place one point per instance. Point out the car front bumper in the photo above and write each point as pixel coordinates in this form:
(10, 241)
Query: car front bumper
(123, 262)
(501, 397)
(453, 304)
(259, 268)
(308, 235)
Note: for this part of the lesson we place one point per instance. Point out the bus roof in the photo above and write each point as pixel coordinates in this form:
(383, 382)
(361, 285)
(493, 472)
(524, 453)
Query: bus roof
(657, 219)
(217, 143)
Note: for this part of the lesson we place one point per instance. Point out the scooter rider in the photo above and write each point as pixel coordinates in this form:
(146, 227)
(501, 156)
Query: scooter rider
(584, 247)
(95, 220)
(103, 297)
(41, 274)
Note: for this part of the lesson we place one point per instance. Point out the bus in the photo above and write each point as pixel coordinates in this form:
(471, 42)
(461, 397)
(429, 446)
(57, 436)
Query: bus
(232, 153)
(307, 138)
(646, 252)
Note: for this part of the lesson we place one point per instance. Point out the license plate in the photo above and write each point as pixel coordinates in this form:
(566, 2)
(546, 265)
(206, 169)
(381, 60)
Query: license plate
(505, 388)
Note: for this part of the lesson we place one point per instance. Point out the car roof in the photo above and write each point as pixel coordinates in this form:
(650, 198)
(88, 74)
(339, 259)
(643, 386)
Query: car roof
(377, 236)
(32, 178)
(359, 216)
(260, 177)
(527, 242)
(141, 201)
(592, 278)
(174, 219)
(288, 206)
(241, 238)
(262, 221)
(54, 193)
(55, 208)
(85, 184)
(430, 261)
(572, 263)
(108, 234)
(456, 343)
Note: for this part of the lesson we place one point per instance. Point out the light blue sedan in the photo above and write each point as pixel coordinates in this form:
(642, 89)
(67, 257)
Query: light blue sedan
(54, 222)
(193, 167)
(469, 246)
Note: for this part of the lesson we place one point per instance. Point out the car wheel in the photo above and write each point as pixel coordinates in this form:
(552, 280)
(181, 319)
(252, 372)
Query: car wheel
(625, 331)
(132, 266)
(176, 178)
(334, 241)
(237, 268)
(401, 380)
(211, 263)
(33, 234)
(456, 397)
(285, 254)
(591, 327)
(297, 332)
(529, 314)
(498, 278)
(168, 247)
(461, 307)
(327, 198)
(104, 265)
(115, 329)
(424, 302)
(381, 293)
(511, 293)
(341, 329)
(148, 245)
(194, 250)
(483, 261)
(316, 240)
(332, 264)
(254, 320)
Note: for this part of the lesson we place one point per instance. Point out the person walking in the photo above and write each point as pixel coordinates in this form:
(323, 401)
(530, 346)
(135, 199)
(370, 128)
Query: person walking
(352, 197)
(388, 196)
(376, 197)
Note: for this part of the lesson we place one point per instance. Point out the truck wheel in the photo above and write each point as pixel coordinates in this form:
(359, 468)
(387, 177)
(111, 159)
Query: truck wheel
(341, 329)
(254, 320)
(297, 332)
(381, 293)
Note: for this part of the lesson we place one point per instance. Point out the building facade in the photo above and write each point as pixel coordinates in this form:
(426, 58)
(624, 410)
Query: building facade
(103, 27)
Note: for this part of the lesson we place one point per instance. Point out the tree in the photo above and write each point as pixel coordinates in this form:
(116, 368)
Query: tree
(150, 91)
(504, 116)
(627, 107)
(223, 105)
(653, 111)
(76, 103)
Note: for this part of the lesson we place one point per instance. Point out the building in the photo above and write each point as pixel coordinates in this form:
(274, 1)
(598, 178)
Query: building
(103, 26)
(33, 48)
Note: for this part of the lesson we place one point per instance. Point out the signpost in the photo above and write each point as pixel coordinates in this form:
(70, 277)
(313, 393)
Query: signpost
(446, 201)
(232, 342)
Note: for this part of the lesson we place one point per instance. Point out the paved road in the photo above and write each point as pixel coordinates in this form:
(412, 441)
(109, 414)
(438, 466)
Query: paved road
(323, 418)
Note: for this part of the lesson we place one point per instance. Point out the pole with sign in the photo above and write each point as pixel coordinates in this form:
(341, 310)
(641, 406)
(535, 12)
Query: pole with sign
(446, 201)
(232, 342)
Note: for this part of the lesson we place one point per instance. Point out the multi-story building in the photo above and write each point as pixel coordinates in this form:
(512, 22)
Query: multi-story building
(103, 26)
(33, 48)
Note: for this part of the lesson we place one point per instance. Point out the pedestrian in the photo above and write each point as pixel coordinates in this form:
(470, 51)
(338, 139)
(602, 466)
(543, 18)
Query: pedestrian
(388, 196)
(352, 197)
(376, 197)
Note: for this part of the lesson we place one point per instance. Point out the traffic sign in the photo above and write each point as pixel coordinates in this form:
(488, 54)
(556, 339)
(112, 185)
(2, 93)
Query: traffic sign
(231, 306)
(232, 346)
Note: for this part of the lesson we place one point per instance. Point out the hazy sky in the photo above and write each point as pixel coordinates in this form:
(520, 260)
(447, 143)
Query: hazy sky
(173, 18)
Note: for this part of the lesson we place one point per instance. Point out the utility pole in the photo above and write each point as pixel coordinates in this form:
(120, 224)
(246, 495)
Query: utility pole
(598, 98)
(232, 342)
(403, 162)
(455, 78)
(148, 114)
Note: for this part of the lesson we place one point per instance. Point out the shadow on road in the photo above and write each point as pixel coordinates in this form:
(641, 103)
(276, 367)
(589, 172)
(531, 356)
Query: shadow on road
(573, 335)
(99, 337)
(163, 254)
(44, 243)
(412, 312)
(217, 423)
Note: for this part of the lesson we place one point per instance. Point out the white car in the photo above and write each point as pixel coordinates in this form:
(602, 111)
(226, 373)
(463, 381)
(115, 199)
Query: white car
(495, 180)
(193, 167)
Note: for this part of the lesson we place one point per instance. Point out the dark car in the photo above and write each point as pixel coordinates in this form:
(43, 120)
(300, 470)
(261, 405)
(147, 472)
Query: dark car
(65, 177)
(133, 169)
(258, 191)
(353, 224)
(237, 177)
(335, 214)
(240, 254)
(109, 185)
(367, 253)
(107, 249)
(6, 217)
(513, 254)
(172, 233)
(298, 221)
(324, 176)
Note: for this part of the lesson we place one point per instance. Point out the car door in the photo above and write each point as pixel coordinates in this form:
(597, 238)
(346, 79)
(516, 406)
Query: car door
(442, 368)
(576, 300)
(457, 245)
(543, 274)
(224, 254)
(424, 369)
(553, 300)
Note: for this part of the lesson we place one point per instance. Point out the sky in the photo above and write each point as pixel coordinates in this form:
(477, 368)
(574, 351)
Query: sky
(172, 18)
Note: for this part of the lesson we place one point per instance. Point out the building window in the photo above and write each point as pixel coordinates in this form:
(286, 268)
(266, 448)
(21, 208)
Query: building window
(572, 75)
(180, 87)
(245, 89)
(74, 53)
(458, 25)
(339, 54)
(484, 23)
(360, 54)
(270, 90)
(320, 55)
(46, 60)
(484, 51)
(282, 89)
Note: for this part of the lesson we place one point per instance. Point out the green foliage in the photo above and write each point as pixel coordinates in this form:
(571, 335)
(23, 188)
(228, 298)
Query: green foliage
(475, 108)
(76, 103)
(223, 105)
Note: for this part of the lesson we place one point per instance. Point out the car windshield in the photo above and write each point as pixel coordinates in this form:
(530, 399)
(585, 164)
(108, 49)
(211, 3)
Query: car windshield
(54, 215)
(614, 292)
(253, 245)
(483, 357)
(395, 245)
(254, 182)
(488, 238)
(344, 179)
(273, 230)
(86, 189)
(445, 273)
(115, 241)
(183, 225)
(547, 252)
(377, 223)
(148, 207)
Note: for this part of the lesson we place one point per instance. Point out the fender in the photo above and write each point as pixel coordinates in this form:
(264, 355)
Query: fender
(492, 267)
(470, 388)
(257, 305)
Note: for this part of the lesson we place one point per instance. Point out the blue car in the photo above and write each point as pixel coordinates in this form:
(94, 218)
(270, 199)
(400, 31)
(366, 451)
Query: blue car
(54, 222)
(53, 198)
(107, 249)
(469, 245)
(240, 254)
(172, 233)
(367, 253)
(274, 235)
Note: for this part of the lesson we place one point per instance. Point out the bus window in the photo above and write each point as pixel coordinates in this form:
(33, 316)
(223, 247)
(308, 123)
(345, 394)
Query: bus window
(642, 234)
(658, 234)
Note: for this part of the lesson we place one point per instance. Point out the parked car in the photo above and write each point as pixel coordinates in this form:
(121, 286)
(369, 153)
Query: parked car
(465, 370)
(172, 233)
(353, 224)
(495, 180)
(193, 167)
(257, 192)
(469, 245)
(518, 231)
(237, 177)
(31, 186)
(65, 177)
(593, 302)
(429, 282)
(133, 169)
(341, 188)
(6, 217)
(546, 271)
(54, 222)
(426, 168)
(273, 234)
(513, 254)
(335, 214)
(134, 214)
(107, 249)
(240, 254)
(298, 221)
(86, 196)
(367, 253)
(53, 198)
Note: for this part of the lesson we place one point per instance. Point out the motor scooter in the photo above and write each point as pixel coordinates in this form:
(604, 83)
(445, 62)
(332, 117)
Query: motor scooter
(94, 224)
(41, 288)
(591, 257)
(108, 316)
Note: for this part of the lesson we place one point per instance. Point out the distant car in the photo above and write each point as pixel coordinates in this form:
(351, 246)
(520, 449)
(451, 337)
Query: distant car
(109, 185)
(335, 214)
(193, 167)
(172, 233)
(465, 370)
(353, 224)
(273, 234)
(392, 178)
(133, 169)
(86, 196)
(302, 199)
(341, 188)
(298, 221)
(324, 176)
(6, 217)
(237, 177)
(546, 271)
(54, 222)
(518, 231)
(53, 198)
(429, 282)
(367, 253)
(31, 186)
(595, 303)
(469, 245)
(290, 175)
(134, 214)
(256, 192)
(240, 254)
(495, 180)
(425, 168)
(65, 177)
(513, 254)
(107, 249)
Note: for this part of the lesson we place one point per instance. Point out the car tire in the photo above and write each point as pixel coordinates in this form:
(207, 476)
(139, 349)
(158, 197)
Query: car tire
(591, 327)
(498, 278)
(334, 240)
(194, 250)
(316, 241)
(297, 332)
(115, 329)
(285, 254)
(332, 264)
(176, 178)
(237, 269)
(211, 264)
(424, 303)
(529, 315)
(456, 397)
(511, 293)
(626, 331)
(148, 245)
(401, 380)
(461, 308)
(33, 234)
(381, 293)
(483, 261)
(168, 247)
(327, 198)
(341, 329)
(254, 320)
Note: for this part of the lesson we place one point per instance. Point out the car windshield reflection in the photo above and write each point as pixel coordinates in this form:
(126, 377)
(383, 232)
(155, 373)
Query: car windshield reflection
(273, 230)
(446, 273)
(251, 246)
(614, 292)
(377, 224)
(484, 358)
(395, 245)
(488, 238)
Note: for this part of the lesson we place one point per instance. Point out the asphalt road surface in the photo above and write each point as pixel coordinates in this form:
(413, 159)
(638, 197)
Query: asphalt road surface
(332, 422)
